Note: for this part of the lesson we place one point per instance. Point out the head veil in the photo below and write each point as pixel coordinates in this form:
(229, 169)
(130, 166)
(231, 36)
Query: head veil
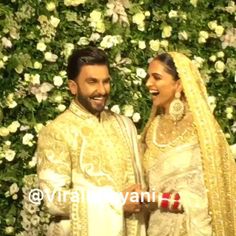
(218, 163)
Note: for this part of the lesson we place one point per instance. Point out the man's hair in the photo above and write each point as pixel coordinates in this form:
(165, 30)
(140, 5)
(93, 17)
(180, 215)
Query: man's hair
(85, 56)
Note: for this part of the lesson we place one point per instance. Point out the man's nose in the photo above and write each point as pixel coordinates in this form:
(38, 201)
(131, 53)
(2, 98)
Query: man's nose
(101, 89)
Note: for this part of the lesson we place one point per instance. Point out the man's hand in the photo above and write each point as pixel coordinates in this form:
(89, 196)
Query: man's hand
(131, 199)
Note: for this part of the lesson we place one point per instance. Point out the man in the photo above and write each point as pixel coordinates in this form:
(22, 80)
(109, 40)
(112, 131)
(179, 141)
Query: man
(88, 158)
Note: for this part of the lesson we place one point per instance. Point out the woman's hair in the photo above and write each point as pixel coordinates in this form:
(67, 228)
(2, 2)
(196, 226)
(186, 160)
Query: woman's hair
(85, 56)
(167, 60)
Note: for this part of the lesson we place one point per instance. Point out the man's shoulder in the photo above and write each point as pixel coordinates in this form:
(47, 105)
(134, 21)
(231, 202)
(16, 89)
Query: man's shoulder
(111, 114)
(56, 125)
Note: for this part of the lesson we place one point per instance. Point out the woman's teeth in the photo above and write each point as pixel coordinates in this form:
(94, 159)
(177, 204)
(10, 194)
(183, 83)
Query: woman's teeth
(154, 92)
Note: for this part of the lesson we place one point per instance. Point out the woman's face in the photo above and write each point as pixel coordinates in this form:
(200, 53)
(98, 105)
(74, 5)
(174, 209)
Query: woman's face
(161, 85)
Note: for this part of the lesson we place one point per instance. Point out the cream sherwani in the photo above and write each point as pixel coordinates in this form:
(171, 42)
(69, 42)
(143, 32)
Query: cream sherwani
(83, 166)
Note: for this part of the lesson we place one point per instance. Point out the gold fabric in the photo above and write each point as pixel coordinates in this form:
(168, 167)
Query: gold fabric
(219, 168)
(77, 153)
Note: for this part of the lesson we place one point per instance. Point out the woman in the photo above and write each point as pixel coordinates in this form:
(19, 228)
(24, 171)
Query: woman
(187, 160)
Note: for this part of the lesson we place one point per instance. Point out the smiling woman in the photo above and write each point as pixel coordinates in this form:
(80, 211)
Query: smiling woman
(187, 158)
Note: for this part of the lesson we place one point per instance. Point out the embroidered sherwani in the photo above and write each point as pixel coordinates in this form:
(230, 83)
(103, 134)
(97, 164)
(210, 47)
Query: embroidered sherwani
(90, 161)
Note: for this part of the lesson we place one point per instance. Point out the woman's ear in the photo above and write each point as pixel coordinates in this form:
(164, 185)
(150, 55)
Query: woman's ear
(179, 86)
(72, 86)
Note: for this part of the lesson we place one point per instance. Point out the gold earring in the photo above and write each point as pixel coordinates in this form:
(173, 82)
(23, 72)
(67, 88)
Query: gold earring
(176, 108)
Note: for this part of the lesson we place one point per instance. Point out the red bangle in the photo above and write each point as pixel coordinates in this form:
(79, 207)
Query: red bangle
(165, 200)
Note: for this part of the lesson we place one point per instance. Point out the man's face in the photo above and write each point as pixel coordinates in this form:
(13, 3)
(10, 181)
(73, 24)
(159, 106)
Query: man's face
(92, 87)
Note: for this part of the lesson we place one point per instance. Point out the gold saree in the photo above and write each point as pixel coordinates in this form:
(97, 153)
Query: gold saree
(218, 166)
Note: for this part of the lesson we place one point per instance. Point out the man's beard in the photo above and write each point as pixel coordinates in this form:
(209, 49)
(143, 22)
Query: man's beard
(86, 102)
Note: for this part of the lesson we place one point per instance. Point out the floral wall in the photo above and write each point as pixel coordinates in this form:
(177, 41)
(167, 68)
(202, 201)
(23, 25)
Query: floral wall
(36, 38)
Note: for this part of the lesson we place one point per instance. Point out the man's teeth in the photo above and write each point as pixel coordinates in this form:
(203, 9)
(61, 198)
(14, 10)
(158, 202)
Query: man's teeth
(97, 98)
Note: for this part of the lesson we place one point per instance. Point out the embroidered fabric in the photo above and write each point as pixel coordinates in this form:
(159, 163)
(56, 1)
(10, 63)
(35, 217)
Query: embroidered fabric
(218, 165)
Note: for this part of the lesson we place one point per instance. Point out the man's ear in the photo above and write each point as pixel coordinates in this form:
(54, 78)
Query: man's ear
(72, 86)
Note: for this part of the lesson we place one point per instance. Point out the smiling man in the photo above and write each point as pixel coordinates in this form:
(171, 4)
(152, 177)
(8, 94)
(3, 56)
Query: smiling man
(88, 156)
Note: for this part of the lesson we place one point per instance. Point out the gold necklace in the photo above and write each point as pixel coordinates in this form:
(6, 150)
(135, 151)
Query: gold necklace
(171, 143)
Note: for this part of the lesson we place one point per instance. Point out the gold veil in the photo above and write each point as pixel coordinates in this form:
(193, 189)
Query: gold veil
(218, 163)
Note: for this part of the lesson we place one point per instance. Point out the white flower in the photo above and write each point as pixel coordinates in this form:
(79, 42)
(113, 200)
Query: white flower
(140, 72)
(100, 27)
(220, 54)
(201, 40)
(50, 6)
(116, 109)
(14, 196)
(5, 58)
(58, 98)
(83, 41)
(61, 107)
(173, 14)
(28, 139)
(138, 18)
(166, 32)
(136, 117)
(198, 61)
(38, 127)
(203, 36)
(10, 101)
(212, 24)
(219, 66)
(50, 57)
(13, 126)
(9, 154)
(229, 116)
(183, 35)
(74, 3)
(62, 73)
(13, 188)
(212, 58)
(35, 79)
(212, 102)
(109, 41)
(9, 230)
(57, 80)
(4, 131)
(95, 16)
(94, 37)
(233, 127)
(141, 44)
(38, 65)
(33, 162)
(147, 13)
(54, 21)
(41, 46)
(219, 30)
(229, 110)
(1, 64)
(194, 2)
(6, 43)
(233, 149)
(164, 43)
(40, 92)
(128, 110)
(154, 45)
